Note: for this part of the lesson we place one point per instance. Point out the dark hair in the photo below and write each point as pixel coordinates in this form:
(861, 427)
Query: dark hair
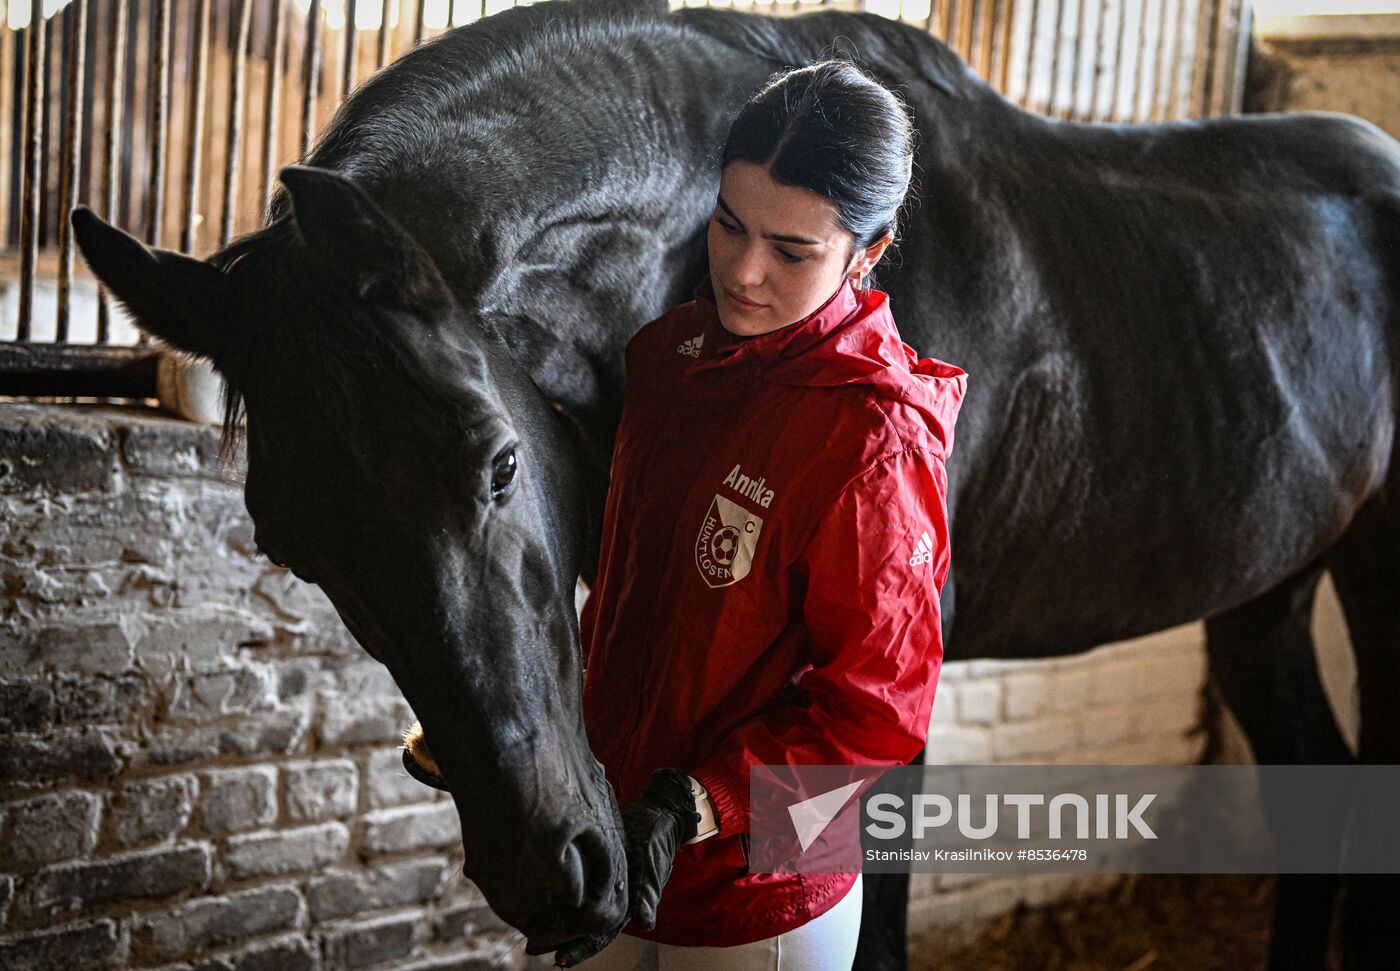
(831, 128)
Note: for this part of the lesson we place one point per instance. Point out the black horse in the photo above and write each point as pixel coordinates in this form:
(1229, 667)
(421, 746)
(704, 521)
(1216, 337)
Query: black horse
(1181, 341)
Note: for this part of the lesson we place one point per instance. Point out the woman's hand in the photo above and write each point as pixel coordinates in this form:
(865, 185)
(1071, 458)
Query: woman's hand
(653, 827)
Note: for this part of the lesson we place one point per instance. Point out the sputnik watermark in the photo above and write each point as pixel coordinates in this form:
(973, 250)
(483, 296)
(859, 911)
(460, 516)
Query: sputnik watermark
(932, 810)
(1118, 819)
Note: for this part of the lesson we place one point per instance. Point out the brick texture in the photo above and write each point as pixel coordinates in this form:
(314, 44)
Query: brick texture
(234, 800)
(212, 921)
(48, 829)
(71, 948)
(141, 875)
(279, 852)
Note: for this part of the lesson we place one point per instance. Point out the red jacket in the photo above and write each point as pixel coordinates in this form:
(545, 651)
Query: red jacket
(774, 545)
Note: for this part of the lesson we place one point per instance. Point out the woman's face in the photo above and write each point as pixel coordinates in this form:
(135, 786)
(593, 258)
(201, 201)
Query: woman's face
(777, 252)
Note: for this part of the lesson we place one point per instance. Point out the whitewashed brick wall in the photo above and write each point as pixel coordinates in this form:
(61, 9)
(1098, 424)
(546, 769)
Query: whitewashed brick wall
(1132, 702)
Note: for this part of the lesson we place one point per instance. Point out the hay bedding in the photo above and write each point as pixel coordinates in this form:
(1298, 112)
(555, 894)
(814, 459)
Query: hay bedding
(1161, 922)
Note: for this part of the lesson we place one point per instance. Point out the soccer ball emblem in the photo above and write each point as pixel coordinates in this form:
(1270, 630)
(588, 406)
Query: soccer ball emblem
(724, 544)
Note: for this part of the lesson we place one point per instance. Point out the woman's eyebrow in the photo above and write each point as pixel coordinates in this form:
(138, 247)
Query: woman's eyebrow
(776, 237)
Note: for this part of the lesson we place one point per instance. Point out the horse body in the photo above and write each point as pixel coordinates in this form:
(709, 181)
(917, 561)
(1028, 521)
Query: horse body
(1180, 341)
(1181, 338)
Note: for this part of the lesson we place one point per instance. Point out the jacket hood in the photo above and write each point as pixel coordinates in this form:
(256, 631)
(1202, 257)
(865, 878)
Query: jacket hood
(850, 339)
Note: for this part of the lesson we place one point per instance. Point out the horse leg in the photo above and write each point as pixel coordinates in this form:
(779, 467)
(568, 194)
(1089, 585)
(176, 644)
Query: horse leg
(1365, 567)
(1262, 660)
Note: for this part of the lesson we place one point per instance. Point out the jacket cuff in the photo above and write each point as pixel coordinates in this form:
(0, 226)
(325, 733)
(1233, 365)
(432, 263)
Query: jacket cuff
(731, 805)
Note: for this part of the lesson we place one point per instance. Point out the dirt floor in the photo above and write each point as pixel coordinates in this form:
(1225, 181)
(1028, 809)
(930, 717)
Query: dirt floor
(1166, 923)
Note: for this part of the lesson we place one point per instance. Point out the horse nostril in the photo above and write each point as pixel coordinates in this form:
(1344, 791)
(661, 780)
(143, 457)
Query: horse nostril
(575, 879)
(588, 880)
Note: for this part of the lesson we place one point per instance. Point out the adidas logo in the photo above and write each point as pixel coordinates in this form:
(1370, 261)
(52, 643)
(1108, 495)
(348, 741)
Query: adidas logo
(691, 348)
(923, 553)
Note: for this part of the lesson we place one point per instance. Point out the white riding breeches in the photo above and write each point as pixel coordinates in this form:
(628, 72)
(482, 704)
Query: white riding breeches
(827, 943)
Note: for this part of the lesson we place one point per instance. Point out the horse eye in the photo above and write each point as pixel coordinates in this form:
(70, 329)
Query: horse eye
(503, 474)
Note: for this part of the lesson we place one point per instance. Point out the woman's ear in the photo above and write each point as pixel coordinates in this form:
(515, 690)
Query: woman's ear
(865, 259)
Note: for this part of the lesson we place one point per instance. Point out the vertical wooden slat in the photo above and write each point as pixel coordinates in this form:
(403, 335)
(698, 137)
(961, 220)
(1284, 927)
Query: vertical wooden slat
(350, 61)
(986, 34)
(133, 161)
(1100, 65)
(113, 104)
(194, 132)
(386, 35)
(52, 127)
(159, 136)
(311, 76)
(1061, 7)
(1006, 22)
(1139, 68)
(418, 22)
(1219, 56)
(272, 98)
(160, 104)
(1178, 46)
(1201, 63)
(35, 76)
(1160, 72)
(1032, 40)
(1223, 80)
(72, 154)
(237, 81)
(965, 41)
(93, 123)
(1072, 109)
(9, 40)
(1114, 114)
(1244, 30)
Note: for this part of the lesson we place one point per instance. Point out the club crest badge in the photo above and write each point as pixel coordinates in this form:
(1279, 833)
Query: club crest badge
(725, 547)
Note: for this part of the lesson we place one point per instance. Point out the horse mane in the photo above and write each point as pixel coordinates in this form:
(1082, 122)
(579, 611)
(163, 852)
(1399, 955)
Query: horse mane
(394, 116)
(893, 51)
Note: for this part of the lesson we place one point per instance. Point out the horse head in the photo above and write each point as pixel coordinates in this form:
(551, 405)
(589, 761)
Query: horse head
(398, 458)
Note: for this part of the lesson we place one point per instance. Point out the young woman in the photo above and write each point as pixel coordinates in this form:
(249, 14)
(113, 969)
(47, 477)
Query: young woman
(775, 538)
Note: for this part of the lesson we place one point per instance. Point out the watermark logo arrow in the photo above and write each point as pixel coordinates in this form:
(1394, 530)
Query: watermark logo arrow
(811, 817)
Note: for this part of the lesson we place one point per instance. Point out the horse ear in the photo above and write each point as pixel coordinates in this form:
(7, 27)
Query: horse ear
(175, 297)
(359, 241)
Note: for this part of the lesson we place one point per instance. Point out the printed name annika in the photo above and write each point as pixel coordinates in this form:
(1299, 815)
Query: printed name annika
(748, 487)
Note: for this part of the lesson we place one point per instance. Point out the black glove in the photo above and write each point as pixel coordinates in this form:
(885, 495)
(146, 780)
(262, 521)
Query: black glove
(654, 827)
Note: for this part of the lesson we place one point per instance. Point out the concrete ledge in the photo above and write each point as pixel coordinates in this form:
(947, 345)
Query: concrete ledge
(1329, 26)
